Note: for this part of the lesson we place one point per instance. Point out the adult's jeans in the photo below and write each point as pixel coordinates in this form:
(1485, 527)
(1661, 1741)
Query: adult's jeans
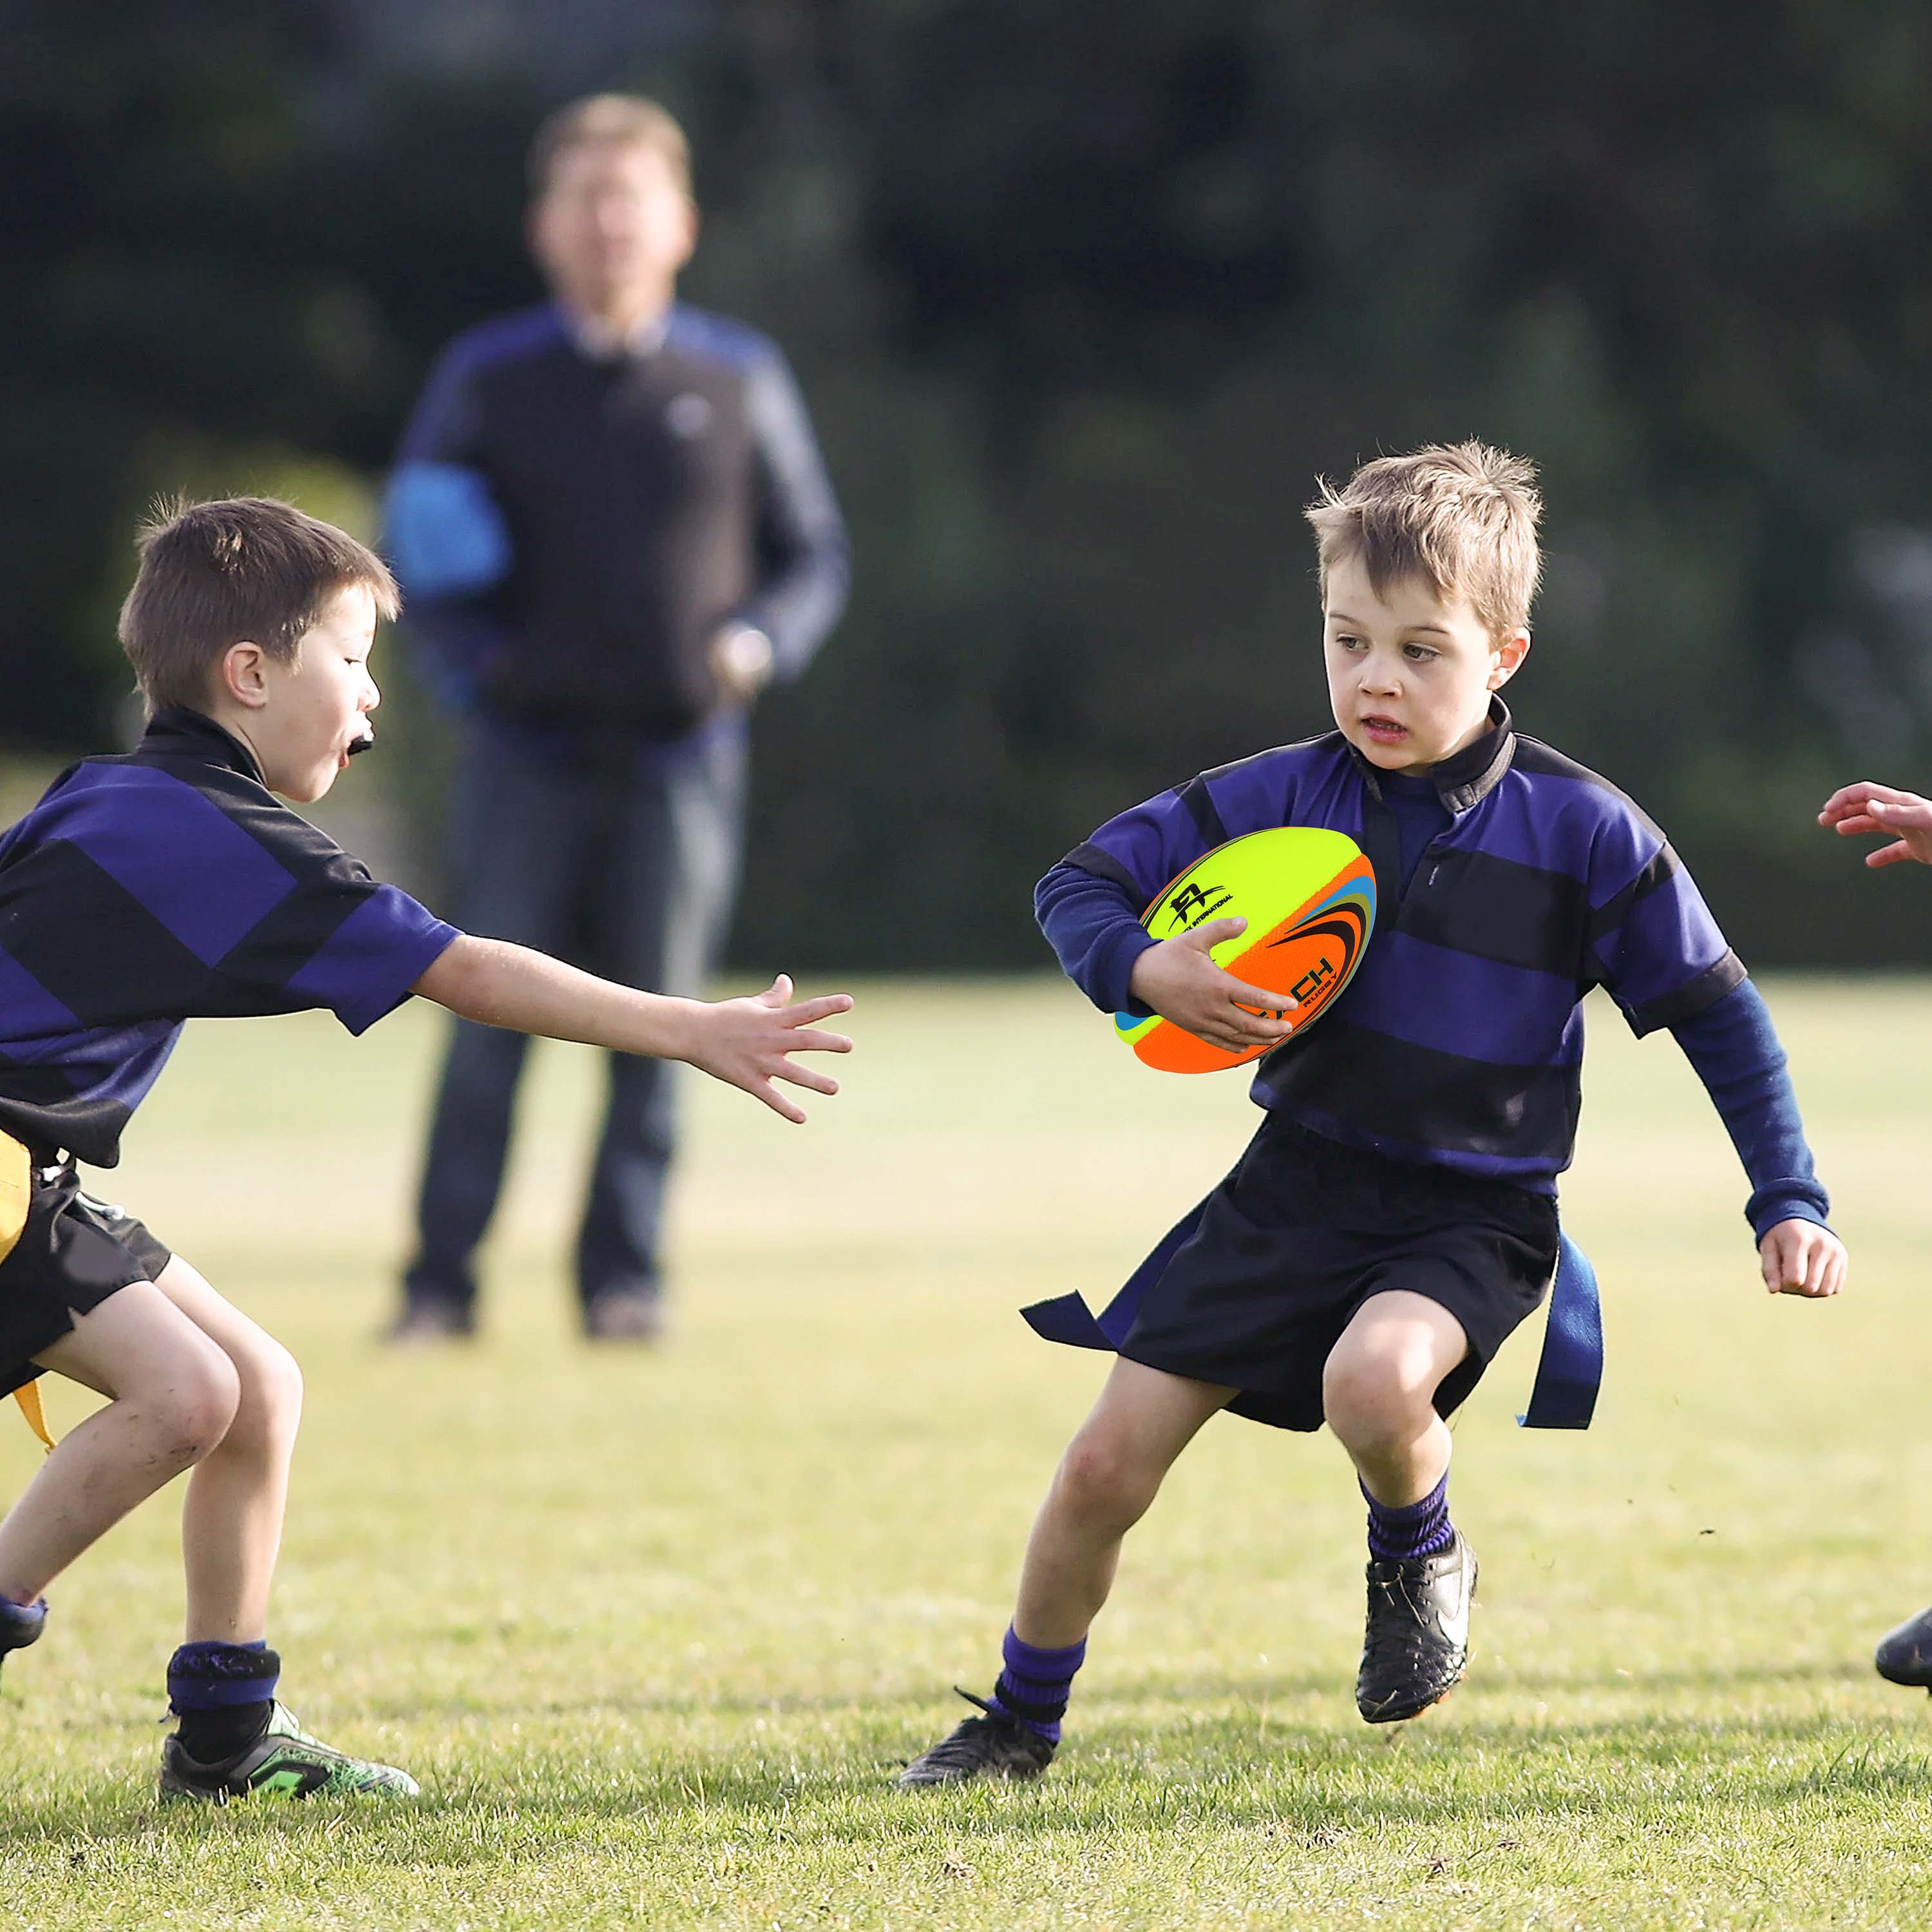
(626, 869)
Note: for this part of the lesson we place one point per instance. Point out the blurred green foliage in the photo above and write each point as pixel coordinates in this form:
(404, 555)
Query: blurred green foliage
(1083, 297)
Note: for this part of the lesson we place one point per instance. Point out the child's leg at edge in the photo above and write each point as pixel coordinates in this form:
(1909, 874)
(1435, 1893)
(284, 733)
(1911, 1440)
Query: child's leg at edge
(1378, 1393)
(191, 1383)
(1109, 1475)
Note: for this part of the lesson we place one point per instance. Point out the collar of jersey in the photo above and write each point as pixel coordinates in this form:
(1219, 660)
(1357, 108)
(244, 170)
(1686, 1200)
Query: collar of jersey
(175, 731)
(1473, 773)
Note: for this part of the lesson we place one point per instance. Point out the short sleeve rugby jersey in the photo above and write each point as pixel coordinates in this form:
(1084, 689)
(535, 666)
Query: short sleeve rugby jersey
(168, 885)
(1460, 1041)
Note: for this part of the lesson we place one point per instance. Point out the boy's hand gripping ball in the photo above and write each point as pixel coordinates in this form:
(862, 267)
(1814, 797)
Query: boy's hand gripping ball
(1309, 897)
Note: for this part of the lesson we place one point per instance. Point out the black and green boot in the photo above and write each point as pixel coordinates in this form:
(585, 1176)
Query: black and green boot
(283, 1760)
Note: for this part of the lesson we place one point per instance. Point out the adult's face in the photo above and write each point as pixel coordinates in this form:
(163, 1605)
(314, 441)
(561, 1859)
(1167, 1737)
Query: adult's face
(612, 229)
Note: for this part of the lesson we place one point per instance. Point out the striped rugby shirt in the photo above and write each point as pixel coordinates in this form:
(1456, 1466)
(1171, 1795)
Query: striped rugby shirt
(167, 885)
(1460, 1040)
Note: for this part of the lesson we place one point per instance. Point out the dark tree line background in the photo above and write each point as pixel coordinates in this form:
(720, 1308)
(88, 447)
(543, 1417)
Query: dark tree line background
(1083, 295)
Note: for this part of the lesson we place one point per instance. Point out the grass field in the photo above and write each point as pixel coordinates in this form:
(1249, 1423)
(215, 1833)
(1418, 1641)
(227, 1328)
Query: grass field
(655, 1630)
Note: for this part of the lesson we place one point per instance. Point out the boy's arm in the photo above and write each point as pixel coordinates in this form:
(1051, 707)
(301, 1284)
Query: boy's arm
(1090, 922)
(1734, 1048)
(745, 1042)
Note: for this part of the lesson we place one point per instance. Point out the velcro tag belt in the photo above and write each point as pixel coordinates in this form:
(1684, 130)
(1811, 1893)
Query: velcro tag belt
(17, 1190)
(1571, 1370)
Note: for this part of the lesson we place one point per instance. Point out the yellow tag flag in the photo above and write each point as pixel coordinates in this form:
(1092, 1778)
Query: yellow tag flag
(17, 1185)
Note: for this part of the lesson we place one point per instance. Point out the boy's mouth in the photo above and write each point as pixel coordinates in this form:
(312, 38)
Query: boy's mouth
(1384, 730)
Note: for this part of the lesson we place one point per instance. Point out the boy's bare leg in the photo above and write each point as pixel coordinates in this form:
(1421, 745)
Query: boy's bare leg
(173, 1394)
(1112, 1471)
(1378, 1393)
(232, 1516)
(1378, 1388)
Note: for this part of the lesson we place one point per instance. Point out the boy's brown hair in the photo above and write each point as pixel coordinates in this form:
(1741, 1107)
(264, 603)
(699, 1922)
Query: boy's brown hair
(245, 569)
(1461, 516)
(608, 120)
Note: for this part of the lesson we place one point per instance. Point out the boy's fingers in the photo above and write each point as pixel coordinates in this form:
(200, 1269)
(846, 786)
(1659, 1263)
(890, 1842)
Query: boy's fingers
(806, 1076)
(759, 1088)
(1245, 995)
(1854, 797)
(777, 993)
(1889, 855)
(821, 1007)
(1212, 932)
(817, 1042)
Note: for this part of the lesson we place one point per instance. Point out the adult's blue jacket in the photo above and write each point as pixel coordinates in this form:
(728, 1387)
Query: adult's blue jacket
(571, 528)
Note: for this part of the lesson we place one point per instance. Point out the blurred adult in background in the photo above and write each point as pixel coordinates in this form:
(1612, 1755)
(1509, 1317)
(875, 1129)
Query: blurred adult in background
(614, 528)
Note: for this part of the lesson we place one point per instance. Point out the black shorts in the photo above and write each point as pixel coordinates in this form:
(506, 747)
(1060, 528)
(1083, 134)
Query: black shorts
(1301, 1233)
(72, 1254)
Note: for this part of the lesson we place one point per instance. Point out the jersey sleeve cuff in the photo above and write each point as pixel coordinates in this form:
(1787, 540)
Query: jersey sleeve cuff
(1114, 966)
(1787, 1200)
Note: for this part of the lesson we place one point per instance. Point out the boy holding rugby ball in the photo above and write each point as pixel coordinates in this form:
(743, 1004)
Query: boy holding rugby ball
(1394, 1217)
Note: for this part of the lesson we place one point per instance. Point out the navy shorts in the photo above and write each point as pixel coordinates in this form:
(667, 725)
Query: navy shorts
(72, 1254)
(1301, 1233)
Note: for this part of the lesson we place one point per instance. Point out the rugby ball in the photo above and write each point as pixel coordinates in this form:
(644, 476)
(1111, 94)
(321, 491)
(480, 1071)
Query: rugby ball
(1309, 897)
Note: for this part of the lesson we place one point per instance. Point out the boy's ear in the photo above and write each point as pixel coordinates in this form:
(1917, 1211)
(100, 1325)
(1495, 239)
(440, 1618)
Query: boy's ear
(242, 674)
(1509, 655)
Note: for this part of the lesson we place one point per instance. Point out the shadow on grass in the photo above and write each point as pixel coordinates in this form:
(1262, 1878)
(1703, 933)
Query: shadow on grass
(1274, 1690)
(1311, 1787)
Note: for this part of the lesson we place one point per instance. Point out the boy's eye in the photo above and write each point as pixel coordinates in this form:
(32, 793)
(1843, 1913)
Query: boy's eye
(1420, 653)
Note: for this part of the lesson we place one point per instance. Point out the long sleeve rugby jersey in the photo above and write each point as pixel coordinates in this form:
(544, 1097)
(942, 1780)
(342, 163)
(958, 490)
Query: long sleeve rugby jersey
(168, 885)
(1460, 1041)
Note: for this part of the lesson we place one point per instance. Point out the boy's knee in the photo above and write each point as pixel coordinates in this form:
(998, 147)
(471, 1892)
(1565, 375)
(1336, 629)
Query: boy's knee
(195, 1407)
(1368, 1399)
(272, 1386)
(1101, 1479)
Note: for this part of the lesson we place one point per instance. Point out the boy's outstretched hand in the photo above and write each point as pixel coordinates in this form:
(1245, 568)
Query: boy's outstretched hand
(1178, 980)
(1866, 807)
(1801, 1258)
(747, 1043)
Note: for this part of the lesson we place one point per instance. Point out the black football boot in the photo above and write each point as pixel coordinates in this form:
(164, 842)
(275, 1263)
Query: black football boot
(1416, 1646)
(1905, 1655)
(994, 1746)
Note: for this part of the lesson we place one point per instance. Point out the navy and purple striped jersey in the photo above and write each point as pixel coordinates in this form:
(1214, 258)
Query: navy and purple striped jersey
(1460, 1041)
(169, 885)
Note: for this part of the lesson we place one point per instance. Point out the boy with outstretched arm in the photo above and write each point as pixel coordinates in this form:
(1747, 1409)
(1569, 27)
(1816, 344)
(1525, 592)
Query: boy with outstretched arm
(168, 884)
(1855, 810)
(1394, 1217)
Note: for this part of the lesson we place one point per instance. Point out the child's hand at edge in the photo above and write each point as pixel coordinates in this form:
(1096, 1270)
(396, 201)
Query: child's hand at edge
(1801, 1258)
(1866, 807)
(1181, 983)
(746, 1043)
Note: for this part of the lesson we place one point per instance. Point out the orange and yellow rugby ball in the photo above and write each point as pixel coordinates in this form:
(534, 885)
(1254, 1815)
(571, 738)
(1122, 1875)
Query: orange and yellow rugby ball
(1309, 897)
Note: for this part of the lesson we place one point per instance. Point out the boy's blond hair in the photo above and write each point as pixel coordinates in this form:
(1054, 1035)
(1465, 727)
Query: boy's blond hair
(613, 121)
(245, 569)
(1461, 516)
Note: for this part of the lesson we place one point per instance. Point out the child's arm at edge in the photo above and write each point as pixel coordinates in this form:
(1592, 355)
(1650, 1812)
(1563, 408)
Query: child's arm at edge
(1734, 1049)
(743, 1043)
(1866, 807)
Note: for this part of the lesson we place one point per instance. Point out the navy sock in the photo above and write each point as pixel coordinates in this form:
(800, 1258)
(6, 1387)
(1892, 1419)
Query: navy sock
(1034, 1687)
(223, 1694)
(1417, 1529)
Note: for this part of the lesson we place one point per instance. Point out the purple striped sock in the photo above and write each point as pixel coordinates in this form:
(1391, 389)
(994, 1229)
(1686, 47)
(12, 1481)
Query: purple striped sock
(1034, 1687)
(1416, 1529)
